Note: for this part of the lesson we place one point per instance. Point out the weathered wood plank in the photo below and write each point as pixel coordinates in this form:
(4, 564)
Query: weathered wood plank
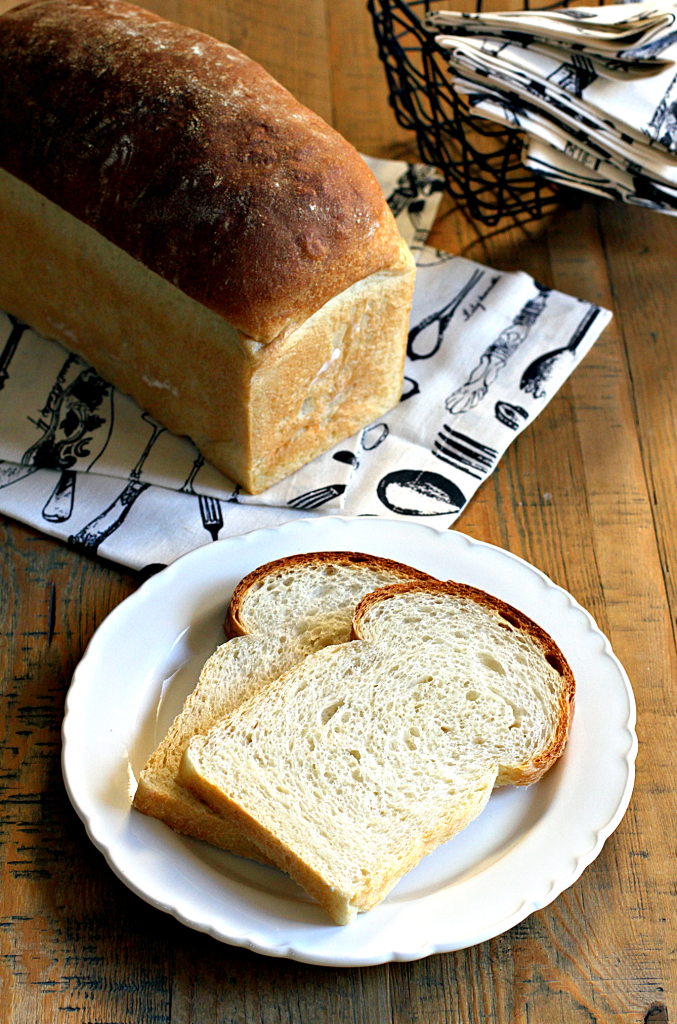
(587, 493)
(360, 109)
(68, 937)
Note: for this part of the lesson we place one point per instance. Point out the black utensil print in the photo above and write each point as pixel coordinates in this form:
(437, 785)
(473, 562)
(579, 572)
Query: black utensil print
(349, 458)
(70, 417)
(59, 506)
(373, 436)
(496, 356)
(418, 180)
(410, 388)
(574, 76)
(442, 318)
(212, 516)
(320, 496)
(464, 453)
(12, 472)
(69, 422)
(10, 348)
(507, 414)
(540, 369)
(196, 467)
(418, 492)
(91, 536)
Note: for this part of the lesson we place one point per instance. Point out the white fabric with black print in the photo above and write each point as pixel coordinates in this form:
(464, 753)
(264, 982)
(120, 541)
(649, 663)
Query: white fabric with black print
(487, 350)
(616, 35)
(613, 111)
(556, 154)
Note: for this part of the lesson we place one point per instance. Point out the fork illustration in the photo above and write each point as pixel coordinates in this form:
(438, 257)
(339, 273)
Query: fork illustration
(212, 516)
(320, 496)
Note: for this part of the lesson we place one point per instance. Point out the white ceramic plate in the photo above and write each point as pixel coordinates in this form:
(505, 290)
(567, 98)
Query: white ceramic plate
(527, 846)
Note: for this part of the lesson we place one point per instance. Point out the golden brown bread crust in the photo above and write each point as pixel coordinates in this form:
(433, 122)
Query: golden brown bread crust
(234, 625)
(191, 158)
(156, 794)
(532, 771)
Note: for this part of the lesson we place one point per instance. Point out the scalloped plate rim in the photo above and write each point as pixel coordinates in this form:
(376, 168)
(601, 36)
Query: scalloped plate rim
(285, 948)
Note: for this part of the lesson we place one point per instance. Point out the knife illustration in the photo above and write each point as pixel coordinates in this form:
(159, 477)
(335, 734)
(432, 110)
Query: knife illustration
(91, 536)
(10, 348)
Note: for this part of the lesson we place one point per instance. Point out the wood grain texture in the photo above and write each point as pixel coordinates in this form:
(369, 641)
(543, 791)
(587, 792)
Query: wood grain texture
(588, 493)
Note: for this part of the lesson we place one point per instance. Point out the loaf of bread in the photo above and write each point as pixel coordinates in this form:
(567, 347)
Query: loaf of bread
(279, 615)
(368, 755)
(212, 247)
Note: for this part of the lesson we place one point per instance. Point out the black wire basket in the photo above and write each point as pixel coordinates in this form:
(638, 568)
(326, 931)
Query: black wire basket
(481, 161)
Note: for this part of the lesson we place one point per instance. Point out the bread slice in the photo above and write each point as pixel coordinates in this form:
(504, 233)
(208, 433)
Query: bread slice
(279, 614)
(366, 756)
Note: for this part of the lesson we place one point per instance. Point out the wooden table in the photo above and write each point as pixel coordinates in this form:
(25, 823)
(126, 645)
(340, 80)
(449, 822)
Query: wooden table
(588, 494)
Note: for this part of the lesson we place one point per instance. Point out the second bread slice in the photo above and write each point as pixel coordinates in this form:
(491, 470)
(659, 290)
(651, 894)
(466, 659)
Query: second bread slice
(279, 614)
(367, 756)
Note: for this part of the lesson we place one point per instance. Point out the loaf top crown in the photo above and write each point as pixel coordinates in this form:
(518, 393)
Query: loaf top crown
(191, 158)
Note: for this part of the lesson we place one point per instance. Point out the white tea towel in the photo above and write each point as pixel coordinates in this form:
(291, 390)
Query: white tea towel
(617, 33)
(500, 67)
(556, 76)
(487, 350)
(560, 156)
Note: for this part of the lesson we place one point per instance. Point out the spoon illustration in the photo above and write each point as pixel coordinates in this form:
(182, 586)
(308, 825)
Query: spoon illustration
(418, 492)
(538, 372)
(441, 318)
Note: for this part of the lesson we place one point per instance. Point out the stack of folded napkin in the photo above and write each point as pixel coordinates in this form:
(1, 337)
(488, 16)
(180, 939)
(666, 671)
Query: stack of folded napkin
(594, 88)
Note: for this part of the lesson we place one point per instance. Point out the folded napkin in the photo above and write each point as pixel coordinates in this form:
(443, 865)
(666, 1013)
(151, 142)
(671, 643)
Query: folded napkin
(614, 113)
(616, 34)
(486, 351)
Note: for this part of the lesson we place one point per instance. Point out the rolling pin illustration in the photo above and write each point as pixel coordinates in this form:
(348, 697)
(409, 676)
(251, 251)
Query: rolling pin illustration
(496, 356)
(91, 536)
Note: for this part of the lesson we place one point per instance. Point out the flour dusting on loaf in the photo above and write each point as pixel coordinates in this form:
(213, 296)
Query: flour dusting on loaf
(169, 143)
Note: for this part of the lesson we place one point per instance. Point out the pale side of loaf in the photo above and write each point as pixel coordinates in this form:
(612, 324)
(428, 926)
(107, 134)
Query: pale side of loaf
(367, 756)
(210, 246)
(279, 614)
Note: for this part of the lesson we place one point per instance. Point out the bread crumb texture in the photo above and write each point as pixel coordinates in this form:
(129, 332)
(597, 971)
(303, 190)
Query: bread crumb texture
(285, 611)
(366, 756)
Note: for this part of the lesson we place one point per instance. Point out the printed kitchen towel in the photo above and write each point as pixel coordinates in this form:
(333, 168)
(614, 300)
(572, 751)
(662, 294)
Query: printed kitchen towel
(617, 35)
(580, 87)
(486, 351)
(567, 157)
